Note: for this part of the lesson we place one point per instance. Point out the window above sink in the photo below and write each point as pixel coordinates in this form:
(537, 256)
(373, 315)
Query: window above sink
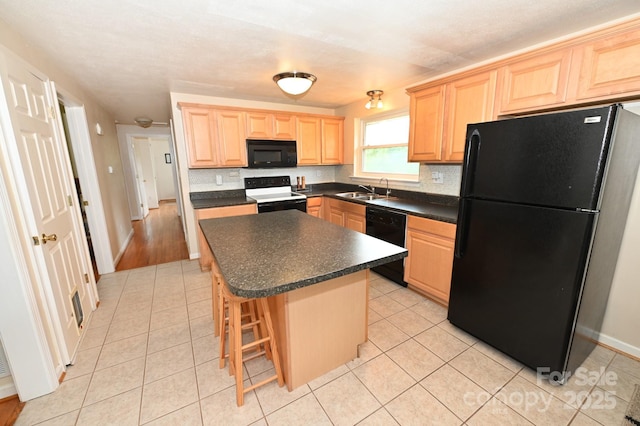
(383, 148)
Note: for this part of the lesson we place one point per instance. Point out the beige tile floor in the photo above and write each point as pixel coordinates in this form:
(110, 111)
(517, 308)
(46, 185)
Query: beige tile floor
(149, 357)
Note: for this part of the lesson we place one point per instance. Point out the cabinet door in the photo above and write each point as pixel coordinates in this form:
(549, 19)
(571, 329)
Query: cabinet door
(332, 140)
(536, 82)
(231, 138)
(610, 66)
(355, 222)
(284, 127)
(259, 125)
(429, 264)
(314, 206)
(200, 134)
(469, 100)
(309, 140)
(425, 130)
(335, 215)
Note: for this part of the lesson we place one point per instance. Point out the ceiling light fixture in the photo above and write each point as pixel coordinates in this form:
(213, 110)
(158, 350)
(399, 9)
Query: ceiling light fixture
(143, 122)
(294, 82)
(373, 103)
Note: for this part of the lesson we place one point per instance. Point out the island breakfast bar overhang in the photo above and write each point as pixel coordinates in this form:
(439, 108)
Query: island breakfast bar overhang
(315, 276)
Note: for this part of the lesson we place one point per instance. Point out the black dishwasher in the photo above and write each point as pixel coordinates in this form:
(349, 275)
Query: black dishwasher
(388, 226)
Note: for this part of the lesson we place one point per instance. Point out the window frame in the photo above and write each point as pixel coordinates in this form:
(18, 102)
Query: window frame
(360, 149)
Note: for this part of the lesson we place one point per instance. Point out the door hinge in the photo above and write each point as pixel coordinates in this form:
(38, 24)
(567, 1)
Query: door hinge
(52, 113)
(69, 201)
(36, 240)
(85, 203)
(86, 278)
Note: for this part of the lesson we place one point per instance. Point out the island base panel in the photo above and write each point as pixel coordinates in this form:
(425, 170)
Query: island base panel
(319, 327)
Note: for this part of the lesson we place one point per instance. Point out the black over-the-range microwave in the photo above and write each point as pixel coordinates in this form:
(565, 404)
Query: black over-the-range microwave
(262, 154)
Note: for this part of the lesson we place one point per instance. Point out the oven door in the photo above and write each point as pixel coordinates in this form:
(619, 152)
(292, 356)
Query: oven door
(274, 206)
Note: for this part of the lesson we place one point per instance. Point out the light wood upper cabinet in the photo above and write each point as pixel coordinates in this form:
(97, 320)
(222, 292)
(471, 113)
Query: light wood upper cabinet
(468, 100)
(262, 125)
(215, 138)
(231, 138)
(309, 140)
(535, 82)
(609, 66)
(332, 140)
(259, 125)
(425, 130)
(428, 267)
(200, 130)
(284, 127)
(439, 116)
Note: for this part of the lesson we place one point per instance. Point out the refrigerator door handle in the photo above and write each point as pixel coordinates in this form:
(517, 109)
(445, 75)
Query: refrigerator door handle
(470, 154)
(461, 229)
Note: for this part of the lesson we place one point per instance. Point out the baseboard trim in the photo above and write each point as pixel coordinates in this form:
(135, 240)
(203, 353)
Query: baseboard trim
(123, 247)
(619, 345)
(7, 390)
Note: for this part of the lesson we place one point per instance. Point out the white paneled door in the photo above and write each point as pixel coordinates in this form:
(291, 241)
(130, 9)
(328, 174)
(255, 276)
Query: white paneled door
(45, 172)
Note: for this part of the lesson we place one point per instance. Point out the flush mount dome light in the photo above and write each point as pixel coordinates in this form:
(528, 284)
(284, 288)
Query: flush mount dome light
(143, 122)
(294, 82)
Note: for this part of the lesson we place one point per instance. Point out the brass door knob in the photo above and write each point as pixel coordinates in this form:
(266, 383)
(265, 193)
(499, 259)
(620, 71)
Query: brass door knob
(52, 237)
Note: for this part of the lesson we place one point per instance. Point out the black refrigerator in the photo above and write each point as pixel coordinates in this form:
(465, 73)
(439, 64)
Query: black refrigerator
(543, 206)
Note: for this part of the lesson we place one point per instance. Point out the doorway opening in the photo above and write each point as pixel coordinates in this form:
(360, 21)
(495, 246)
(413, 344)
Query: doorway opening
(158, 237)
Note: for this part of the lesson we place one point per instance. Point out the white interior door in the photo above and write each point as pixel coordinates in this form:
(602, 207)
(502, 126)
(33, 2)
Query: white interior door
(49, 196)
(144, 158)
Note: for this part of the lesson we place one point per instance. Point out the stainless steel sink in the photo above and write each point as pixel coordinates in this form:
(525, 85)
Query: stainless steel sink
(361, 195)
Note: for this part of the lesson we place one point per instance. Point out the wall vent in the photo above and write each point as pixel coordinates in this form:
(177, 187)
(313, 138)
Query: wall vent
(4, 366)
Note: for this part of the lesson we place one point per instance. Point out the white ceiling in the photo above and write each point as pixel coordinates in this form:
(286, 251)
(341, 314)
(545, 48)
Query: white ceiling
(130, 54)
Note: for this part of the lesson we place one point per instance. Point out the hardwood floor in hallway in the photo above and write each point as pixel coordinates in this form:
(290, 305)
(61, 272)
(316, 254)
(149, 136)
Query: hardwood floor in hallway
(157, 239)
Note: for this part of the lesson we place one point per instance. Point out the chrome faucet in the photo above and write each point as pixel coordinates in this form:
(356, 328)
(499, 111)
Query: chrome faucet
(371, 189)
(388, 190)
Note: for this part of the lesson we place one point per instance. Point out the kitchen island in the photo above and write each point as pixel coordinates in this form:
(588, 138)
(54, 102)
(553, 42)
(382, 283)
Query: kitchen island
(315, 276)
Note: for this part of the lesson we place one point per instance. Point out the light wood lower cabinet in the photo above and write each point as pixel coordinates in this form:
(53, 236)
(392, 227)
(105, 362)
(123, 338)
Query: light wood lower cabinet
(346, 214)
(430, 261)
(314, 206)
(205, 252)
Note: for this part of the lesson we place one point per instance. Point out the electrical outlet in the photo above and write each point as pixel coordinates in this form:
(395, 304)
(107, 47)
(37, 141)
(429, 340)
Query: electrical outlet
(218, 179)
(437, 177)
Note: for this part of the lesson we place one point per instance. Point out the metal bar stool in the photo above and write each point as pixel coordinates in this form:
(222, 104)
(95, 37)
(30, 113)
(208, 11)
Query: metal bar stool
(264, 343)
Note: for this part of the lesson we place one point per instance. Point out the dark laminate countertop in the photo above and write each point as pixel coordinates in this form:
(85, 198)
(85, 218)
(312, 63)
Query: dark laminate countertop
(208, 199)
(431, 206)
(271, 253)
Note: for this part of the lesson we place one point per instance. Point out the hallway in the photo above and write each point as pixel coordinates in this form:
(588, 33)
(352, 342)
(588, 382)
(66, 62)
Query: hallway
(157, 239)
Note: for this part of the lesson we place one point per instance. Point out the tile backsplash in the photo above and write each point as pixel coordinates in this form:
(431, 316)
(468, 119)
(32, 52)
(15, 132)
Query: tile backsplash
(226, 179)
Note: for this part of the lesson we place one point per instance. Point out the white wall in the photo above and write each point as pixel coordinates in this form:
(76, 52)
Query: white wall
(164, 172)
